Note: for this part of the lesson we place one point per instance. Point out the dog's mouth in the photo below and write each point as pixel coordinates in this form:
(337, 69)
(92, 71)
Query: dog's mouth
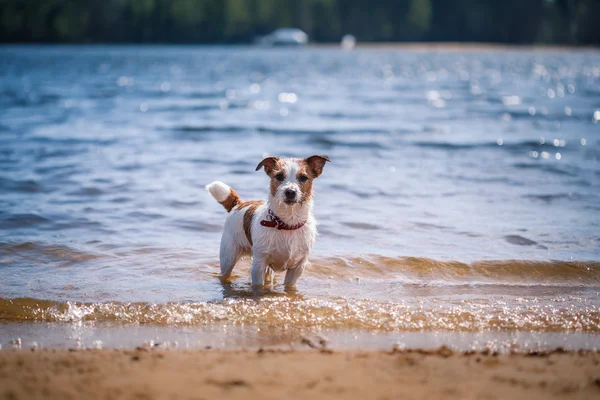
(290, 202)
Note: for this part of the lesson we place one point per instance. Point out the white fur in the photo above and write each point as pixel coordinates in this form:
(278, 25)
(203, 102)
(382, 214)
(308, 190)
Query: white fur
(272, 249)
(218, 190)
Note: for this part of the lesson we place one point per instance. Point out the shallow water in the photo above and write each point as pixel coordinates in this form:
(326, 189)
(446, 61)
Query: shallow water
(462, 197)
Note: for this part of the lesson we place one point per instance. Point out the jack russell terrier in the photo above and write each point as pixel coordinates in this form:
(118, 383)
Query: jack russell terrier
(279, 234)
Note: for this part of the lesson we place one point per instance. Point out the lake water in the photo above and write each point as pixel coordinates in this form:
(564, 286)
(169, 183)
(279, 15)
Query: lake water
(461, 206)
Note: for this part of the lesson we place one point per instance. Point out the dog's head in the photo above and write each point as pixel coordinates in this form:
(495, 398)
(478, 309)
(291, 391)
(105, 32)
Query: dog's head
(292, 178)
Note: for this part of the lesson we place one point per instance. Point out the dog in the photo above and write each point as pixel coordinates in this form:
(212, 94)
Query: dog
(278, 233)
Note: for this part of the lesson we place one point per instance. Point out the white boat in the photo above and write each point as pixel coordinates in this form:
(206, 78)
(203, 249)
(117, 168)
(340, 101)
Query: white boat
(284, 37)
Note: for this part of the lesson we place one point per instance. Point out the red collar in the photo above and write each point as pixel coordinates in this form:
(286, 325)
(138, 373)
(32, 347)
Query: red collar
(273, 221)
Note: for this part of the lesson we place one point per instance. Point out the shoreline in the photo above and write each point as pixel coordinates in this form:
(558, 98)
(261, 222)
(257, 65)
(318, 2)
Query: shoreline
(463, 46)
(92, 334)
(412, 46)
(441, 373)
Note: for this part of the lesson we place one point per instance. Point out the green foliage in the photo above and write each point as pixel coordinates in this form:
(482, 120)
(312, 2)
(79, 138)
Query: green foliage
(587, 17)
(239, 21)
(419, 16)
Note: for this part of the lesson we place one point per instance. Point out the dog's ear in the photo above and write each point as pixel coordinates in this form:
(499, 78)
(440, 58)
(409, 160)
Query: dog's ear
(269, 163)
(316, 164)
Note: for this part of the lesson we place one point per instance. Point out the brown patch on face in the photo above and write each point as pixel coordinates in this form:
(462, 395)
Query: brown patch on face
(251, 206)
(273, 167)
(305, 180)
(275, 183)
(231, 201)
(269, 164)
(278, 171)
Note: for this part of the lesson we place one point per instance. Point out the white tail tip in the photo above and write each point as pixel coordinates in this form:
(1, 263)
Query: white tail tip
(219, 190)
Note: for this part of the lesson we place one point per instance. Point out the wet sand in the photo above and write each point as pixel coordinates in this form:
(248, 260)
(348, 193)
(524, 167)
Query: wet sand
(205, 374)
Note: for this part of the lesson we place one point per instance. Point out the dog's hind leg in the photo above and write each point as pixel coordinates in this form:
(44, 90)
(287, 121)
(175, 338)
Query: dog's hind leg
(229, 255)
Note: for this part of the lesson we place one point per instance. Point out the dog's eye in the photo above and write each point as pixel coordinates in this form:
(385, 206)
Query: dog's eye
(279, 177)
(302, 178)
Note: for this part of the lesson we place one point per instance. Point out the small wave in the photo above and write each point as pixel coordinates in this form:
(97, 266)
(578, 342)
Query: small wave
(423, 270)
(145, 216)
(519, 240)
(271, 130)
(197, 107)
(183, 204)
(14, 221)
(204, 107)
(516, 147)
(241, 172)
(558, 170)
(330, 143)
(66, 142)
(207, 129)
(173, 93)
(523, 145)
(23, 186)
(56, 254)
(197, 226)
(28, 99)
(87, 192)
(453, 146)
(203, 94)
(361, 225)
(522, 314)
(348, 115)
(322, 132)
(549, 198)
(429, 226)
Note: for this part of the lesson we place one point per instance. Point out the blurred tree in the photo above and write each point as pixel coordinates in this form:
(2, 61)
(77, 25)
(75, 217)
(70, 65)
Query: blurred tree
(68, 22)
(419, 17)
(228, 21)
(587, 22)
(326, 21)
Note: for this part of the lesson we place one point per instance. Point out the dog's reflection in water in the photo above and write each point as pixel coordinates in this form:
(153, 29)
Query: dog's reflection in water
(239, 290)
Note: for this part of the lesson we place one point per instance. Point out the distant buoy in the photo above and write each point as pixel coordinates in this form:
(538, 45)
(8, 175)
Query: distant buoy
(348, 42)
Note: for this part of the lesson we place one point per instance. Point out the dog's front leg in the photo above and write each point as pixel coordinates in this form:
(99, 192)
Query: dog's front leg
(259, 269)
(292, 274)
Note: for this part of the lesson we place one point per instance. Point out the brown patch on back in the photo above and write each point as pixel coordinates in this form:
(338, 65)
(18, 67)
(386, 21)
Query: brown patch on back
(251, 207)
(231, 201)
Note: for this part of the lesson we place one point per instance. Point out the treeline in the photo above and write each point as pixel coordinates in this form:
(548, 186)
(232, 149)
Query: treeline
(239, 21)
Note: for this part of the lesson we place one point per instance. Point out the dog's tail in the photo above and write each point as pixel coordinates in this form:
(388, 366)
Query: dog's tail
(225, 195)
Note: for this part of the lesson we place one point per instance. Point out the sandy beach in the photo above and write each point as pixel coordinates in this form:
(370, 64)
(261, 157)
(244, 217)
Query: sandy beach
(206, 374)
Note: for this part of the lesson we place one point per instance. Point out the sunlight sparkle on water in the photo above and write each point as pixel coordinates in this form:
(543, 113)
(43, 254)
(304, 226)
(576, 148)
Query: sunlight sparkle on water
(287, 97)
(255, 88)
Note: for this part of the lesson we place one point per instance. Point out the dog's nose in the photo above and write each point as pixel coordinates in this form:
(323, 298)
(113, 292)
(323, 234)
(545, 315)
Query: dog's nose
(290, 194)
